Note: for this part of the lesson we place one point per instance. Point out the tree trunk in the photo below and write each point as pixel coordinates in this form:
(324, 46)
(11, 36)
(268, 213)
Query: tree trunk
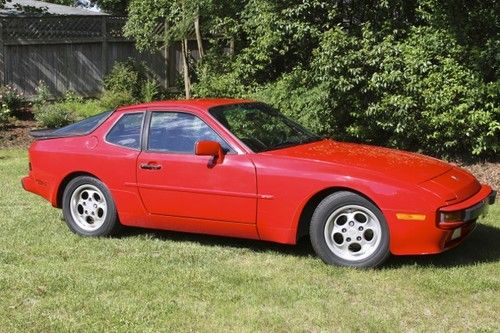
(199, 41)
(166, 56)
(185, 65)
(231, 46)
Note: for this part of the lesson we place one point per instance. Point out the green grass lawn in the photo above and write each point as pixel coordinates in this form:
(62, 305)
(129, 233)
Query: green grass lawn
(53, 280)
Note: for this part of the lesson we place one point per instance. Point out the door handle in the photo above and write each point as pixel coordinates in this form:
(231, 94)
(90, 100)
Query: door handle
(150, 166)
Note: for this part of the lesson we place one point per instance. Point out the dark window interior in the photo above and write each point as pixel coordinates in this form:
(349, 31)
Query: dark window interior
(261, 127)
(127, 131)
(178, 132)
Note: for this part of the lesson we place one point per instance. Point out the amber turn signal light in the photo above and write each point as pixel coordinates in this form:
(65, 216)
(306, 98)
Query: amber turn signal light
(410, 217)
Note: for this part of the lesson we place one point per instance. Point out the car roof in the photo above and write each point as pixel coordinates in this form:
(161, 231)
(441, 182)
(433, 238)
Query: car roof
(204, 103)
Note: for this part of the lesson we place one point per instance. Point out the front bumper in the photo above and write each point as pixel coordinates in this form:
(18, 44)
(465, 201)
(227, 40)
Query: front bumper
(431, 235)
(454, 216)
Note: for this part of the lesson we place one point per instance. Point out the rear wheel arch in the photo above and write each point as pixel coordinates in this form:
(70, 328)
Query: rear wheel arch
(65, 182)
(313, 202)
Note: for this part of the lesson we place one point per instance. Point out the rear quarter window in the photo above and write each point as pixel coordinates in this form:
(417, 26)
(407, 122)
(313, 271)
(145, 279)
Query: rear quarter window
(126, 132)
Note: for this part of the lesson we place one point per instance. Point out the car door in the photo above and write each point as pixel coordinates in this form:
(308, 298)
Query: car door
(175, 182)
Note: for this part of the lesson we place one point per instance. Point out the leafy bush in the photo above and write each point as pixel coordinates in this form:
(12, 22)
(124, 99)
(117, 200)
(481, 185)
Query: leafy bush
(72, 96)
(125, 77)
(82, 108)
(53, 115)
(149, 91)
(407, 90)
(412, 92)
(4, 115)
(418, 75)
(113, 99)
(42, 94)
(128, 83)
(11, 99)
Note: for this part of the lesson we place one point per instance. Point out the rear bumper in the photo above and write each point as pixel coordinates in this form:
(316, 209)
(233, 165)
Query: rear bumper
(38, 187)
(28, 184)
(431, 235)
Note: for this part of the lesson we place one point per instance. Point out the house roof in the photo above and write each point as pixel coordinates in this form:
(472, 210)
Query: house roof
(47, 8)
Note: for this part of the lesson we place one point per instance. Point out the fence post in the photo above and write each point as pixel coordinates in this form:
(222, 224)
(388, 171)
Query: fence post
(104, 46)
(2, 56)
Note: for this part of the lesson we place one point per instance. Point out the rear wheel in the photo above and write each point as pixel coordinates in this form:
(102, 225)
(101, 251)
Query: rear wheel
(88, 208)
(348, 230)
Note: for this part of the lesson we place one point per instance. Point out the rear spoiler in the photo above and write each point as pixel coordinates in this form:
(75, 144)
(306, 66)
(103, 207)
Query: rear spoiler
(46, 133)
(43, 133)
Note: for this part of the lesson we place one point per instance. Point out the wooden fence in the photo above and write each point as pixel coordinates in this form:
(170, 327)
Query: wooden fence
(73, 53)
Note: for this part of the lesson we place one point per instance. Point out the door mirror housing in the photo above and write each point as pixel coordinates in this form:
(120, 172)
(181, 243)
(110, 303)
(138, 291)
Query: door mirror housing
(210, 148)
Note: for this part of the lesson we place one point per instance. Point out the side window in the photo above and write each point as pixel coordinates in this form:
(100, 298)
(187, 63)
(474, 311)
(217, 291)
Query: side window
(178, 132)
(127, 131)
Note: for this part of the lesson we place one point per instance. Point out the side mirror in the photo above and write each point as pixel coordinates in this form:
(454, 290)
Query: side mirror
(210, 148)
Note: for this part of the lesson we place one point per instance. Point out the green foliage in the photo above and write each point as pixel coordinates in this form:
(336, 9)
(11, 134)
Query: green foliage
(53, 115)
(4, 115)
(112, 99)
(129, 82)
(42, 95)
(11, 100)
(116, 7)
(72, 96)
(71, 107)
(150, 90)
(125, 77)
(419, 75)
(146, 19)
(81, 108)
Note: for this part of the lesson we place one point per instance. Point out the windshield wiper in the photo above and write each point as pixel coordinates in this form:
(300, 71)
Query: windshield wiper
(284, 144)
(289, 143)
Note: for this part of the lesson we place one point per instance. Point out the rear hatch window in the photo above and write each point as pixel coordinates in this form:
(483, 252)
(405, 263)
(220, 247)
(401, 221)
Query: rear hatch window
(81, 127)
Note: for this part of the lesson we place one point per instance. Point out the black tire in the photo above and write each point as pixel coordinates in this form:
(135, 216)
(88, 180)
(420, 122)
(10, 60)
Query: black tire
(98, 197)
(350, 207)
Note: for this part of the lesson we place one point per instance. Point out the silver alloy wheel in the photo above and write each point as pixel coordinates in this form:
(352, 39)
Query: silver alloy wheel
(88, 207)
(353, 232)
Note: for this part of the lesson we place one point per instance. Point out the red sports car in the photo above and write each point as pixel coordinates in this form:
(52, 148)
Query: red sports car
(240, 168)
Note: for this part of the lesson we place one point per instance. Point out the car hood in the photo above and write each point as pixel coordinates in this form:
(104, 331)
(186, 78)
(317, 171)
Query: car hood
(401, 165)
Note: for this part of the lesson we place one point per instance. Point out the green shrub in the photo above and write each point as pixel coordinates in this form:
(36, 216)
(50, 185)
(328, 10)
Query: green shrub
(53, 115)
(126, 77)
(129, 82)
(4, 115)
(12, 99)
(72, 96)
(82, 108)
(149, 91)
(42, 94)
(410, 91)
(113, 99)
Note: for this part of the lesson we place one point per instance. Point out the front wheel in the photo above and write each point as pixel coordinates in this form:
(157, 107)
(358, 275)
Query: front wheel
(348, 230)
(88, 207)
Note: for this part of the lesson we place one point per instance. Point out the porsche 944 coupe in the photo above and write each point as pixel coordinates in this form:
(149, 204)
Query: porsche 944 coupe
(242, 169)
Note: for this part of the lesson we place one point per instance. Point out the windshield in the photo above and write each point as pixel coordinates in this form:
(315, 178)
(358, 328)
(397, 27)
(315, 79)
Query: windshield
(261, 127)
(84, 126)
